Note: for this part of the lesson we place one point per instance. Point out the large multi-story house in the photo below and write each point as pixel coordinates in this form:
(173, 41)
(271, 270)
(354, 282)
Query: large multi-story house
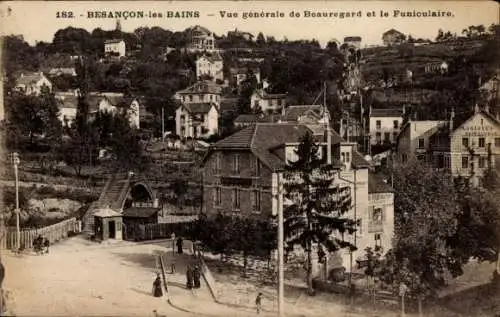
(267, 102)
(210, 66)
(385, 125)
(201, 40)
(200, 92)
(413, 139)
(239, 74)
(467, 145)
(197, 120)
(115, 48)
(243, 174)
(393, 37)
(32, 83)
(353, 41)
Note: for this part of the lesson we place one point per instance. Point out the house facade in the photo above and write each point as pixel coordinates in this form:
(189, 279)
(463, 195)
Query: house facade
(201, 40)
(201, 92)
(467, 146)
(393, 37)
(353, 41)
(32, 83)
(197, 120)
(267, 102)
(385, 125)
(413, 139)
(114, 48)
(243, 175)
(211, 66)
(437, 67)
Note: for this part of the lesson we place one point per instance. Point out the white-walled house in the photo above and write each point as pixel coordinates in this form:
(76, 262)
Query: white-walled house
(197, 120)
(385, 125)
(32, 83)
(267, 102)
(201, 92)
(115, 48)
(211, 66)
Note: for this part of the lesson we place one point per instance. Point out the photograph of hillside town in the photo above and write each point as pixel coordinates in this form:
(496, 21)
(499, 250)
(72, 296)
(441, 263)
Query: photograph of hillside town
(189, 173)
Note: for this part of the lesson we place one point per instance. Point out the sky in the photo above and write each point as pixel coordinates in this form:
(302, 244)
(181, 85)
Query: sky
(37, 20)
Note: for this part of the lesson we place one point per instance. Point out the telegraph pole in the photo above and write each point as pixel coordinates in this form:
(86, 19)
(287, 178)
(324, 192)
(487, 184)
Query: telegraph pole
(162, 124)
(15, 161)
(281, 264)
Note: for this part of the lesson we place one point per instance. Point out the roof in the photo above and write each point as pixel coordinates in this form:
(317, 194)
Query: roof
(106, 212)
(140, 212)
(211, 59)
(199, 107)
(250, 118)
(113, 41)
(203, 87)
(352, 39)
(29, 78)
(386, 113)
(228, 105)
(263, 139)
(265, 95)
(376, 184)
(200, 29)
(292, 113)
(392, 31)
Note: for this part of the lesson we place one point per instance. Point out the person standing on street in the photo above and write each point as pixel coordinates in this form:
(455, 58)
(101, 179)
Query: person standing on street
(189, 277)
(258, 303)
(196, 276)
(157, 291)
(179, 245)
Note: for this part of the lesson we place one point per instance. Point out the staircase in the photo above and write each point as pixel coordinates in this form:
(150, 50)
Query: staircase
(112, 196)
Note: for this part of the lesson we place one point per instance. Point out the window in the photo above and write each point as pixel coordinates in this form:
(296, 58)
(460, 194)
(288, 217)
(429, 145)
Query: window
(257, 167)
(378, 240)
(497, 142)
(346, 157)
(465, 142)
(377, 215)
(482, 162)
(378, 123)
(191, 98)
(394, 136)
(396, 124)
(421, 143)
(217, 163)
(421, 157)
(217, 196)
(211, 97)
(359, 223)
(256, 200)
(387, 137)
(236, 163)
(465, 162)
(481, 142)
(236, 198)
(255, 103)
(378, 137)
(280, 102)
(183, 98)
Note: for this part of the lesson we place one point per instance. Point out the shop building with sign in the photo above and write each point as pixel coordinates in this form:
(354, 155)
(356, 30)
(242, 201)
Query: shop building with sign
(243, 175)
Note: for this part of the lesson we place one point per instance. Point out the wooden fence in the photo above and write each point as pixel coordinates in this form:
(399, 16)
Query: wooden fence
(53, 233)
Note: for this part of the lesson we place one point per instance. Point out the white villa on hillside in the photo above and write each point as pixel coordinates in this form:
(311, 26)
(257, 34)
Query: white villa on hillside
(210, 66)
(115, 48)
(32, 83)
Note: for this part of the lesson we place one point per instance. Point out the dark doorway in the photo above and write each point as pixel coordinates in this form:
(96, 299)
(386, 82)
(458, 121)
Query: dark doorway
(112, 229)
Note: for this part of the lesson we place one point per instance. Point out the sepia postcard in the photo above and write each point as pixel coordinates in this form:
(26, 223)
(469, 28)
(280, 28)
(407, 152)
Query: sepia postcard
(244, 158)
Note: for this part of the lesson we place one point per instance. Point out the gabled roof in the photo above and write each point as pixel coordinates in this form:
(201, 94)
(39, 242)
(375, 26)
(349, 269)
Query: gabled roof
(461, 118)
(202, 87)
(376, 184)
(292, 113)
(392, 31)
(212, 59)
(106, 212)
(251, 118)
(29, 78)
(352, 39)
(198, 107)
(263, 139)
(200, 29)
(391, 113)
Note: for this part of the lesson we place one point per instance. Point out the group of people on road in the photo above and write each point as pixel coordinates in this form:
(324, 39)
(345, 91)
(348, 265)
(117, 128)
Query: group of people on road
(193, 276)
(41, 245)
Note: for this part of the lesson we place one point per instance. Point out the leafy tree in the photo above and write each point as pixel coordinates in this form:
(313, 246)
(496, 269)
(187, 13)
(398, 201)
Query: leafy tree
(180, 189)
(247, 88)
(318, 214)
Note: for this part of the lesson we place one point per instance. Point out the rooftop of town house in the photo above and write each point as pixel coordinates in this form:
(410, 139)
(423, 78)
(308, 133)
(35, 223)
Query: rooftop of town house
(203, 87)
(292, 113)
(386, 113)
(266, 95)
(29, 78)
(113, 41)
(199, 107)
(392, 31)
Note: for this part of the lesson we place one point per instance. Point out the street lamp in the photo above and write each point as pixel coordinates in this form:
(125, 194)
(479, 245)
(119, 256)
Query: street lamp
(16, 161)
(281, 262)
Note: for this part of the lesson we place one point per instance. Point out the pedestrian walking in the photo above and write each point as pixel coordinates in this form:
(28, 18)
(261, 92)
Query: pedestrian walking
(172, 267)
(46, 244)
(258, 303)
(179, 245)
(196, 276)
(157, 291)
(189, 277)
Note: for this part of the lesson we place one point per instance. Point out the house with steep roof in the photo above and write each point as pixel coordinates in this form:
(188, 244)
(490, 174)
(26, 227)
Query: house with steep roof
(201, 39)
(267, 102)
(243, 175)
(385, 125)
(302, 113)
(197, 119)
(115, 47)
(353, 41)
(393, 37)
(32, 83)
(201, 92)
(467, 145)
(210, 66)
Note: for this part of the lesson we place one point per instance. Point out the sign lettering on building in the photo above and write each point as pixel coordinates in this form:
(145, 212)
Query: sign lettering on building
(480, 130)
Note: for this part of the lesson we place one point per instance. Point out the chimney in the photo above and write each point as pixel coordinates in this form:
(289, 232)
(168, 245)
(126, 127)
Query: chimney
(452, 117)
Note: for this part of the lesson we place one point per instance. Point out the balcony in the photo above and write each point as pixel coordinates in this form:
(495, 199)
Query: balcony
(375, 227)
